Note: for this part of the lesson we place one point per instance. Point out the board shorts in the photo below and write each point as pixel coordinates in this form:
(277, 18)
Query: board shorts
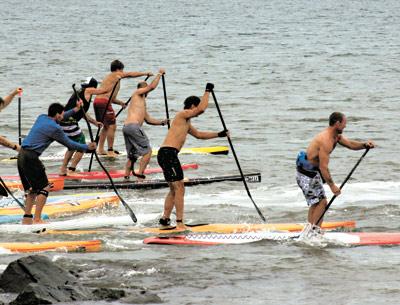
(309, 180)
(99, 105)
(32, 171)
(136, 142)
(80, 138)
(167, 158)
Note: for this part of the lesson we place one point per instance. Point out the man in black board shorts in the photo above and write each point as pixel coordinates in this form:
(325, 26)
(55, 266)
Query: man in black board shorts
(31, 170)
(168, 153)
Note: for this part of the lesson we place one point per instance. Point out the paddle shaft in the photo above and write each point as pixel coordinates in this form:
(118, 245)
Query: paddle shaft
(236, 158)
(102, 120)
(19, 121)
(165, 100)
(128, 101)
(343, 183)
(11, 194)
(131, 214)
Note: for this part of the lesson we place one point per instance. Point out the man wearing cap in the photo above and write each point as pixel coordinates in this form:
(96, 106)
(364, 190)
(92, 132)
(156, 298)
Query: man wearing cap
(4, 102)
(103, 108)
(71, 127)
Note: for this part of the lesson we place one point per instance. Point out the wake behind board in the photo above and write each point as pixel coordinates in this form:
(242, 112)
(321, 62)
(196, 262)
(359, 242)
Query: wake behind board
(62, 246)
(337, 238)
(160, 183)
(99, 175)
(214, 150)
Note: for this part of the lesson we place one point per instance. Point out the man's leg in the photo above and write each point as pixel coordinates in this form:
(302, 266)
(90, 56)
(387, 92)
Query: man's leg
(29, 201)
(179, 188)
(143, 163)
(169, 201)
(76, 159)
(110, 139)
(102, 139)
(315, 212)
(128, 166)
(41, 199)
(64, 166)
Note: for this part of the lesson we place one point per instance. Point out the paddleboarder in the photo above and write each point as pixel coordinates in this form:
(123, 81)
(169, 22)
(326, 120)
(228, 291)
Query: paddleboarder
(312, 166)
(31, 170)
(103, 105)
(4, 102)
(168, 153)
(71, 125)
(136, 141)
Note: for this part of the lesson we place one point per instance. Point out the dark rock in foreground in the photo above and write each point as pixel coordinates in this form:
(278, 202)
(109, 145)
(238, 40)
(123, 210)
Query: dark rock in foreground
(37, 280)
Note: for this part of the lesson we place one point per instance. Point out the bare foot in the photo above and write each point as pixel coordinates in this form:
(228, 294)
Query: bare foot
(181, 226)
(102, 152)
(27, 221)
(111, 154)
(62, 172)
(39, 221)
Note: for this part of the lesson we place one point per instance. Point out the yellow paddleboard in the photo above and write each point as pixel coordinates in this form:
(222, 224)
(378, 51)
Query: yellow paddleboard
(215, 150)
(62, 246)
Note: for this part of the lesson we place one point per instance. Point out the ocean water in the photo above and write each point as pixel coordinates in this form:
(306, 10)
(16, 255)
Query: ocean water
(279, 68)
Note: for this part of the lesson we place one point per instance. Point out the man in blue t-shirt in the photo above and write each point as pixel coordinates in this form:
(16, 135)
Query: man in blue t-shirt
(31, 170)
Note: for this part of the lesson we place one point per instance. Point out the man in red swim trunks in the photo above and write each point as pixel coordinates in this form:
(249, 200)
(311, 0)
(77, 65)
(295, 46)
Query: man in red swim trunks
(101, 101)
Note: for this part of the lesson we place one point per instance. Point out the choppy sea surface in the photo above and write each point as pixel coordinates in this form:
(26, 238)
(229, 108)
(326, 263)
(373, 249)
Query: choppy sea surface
(279, 68)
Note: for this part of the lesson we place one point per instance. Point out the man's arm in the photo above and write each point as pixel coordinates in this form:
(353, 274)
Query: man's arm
(135, 74)
(5, 142)
(205, 135)
(323, 167)
(355, 145)
(62, 138)
(153, 85)
(190, 113)
(7, 100)
(152, 121)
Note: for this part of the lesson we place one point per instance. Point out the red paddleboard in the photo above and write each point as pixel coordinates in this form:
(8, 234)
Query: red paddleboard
(351, 239)
(98, 175)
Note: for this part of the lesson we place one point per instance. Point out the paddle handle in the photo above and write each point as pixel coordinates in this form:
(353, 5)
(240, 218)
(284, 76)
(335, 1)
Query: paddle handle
(19, 121)
(236, 158)
(343, 183)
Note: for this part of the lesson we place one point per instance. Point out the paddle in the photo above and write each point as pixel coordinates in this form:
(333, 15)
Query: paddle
(343, 183)
(102, 121)
(165, 100)
(129, 99)
(19, 119)
(236, 158)
(131, 214)
(4, 187)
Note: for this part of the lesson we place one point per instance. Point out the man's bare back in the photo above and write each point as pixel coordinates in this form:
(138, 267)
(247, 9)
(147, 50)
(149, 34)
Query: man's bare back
(108, 84)
(136, 110)
(177, 134)
(325, 140)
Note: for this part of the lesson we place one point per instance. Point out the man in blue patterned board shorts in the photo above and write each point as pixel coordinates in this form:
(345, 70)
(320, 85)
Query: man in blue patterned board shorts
(312, 165)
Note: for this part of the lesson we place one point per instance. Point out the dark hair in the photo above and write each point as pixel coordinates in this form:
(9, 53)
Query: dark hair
(191, 100)
(54, 109)
(90, 83)
(335, 117)
(116, 65)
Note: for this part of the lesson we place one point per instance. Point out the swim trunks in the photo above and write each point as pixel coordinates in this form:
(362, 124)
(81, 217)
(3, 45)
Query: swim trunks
(100, 105)
(309, 180)
(167, 158)
(31, 170)
(136, 142)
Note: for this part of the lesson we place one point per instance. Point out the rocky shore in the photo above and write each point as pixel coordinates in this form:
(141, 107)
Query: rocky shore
(35, 280)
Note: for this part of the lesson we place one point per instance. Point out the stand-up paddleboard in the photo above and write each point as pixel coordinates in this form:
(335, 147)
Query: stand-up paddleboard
(58, 183)
(214, 150)
(62, 246)
(68, 207)
(8, 202)
(160, 183)
(16, 218)
(99, 175)
(100, 227)
(341, 238)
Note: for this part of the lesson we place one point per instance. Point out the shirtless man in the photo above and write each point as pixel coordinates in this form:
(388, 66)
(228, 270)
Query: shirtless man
(136, 142)
(101, 101)
(314, 162)
(44, 131)
(168, 154)
(4, 102)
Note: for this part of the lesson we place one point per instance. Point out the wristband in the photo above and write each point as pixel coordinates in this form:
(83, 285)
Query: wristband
(15, 147)
(366, 146)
